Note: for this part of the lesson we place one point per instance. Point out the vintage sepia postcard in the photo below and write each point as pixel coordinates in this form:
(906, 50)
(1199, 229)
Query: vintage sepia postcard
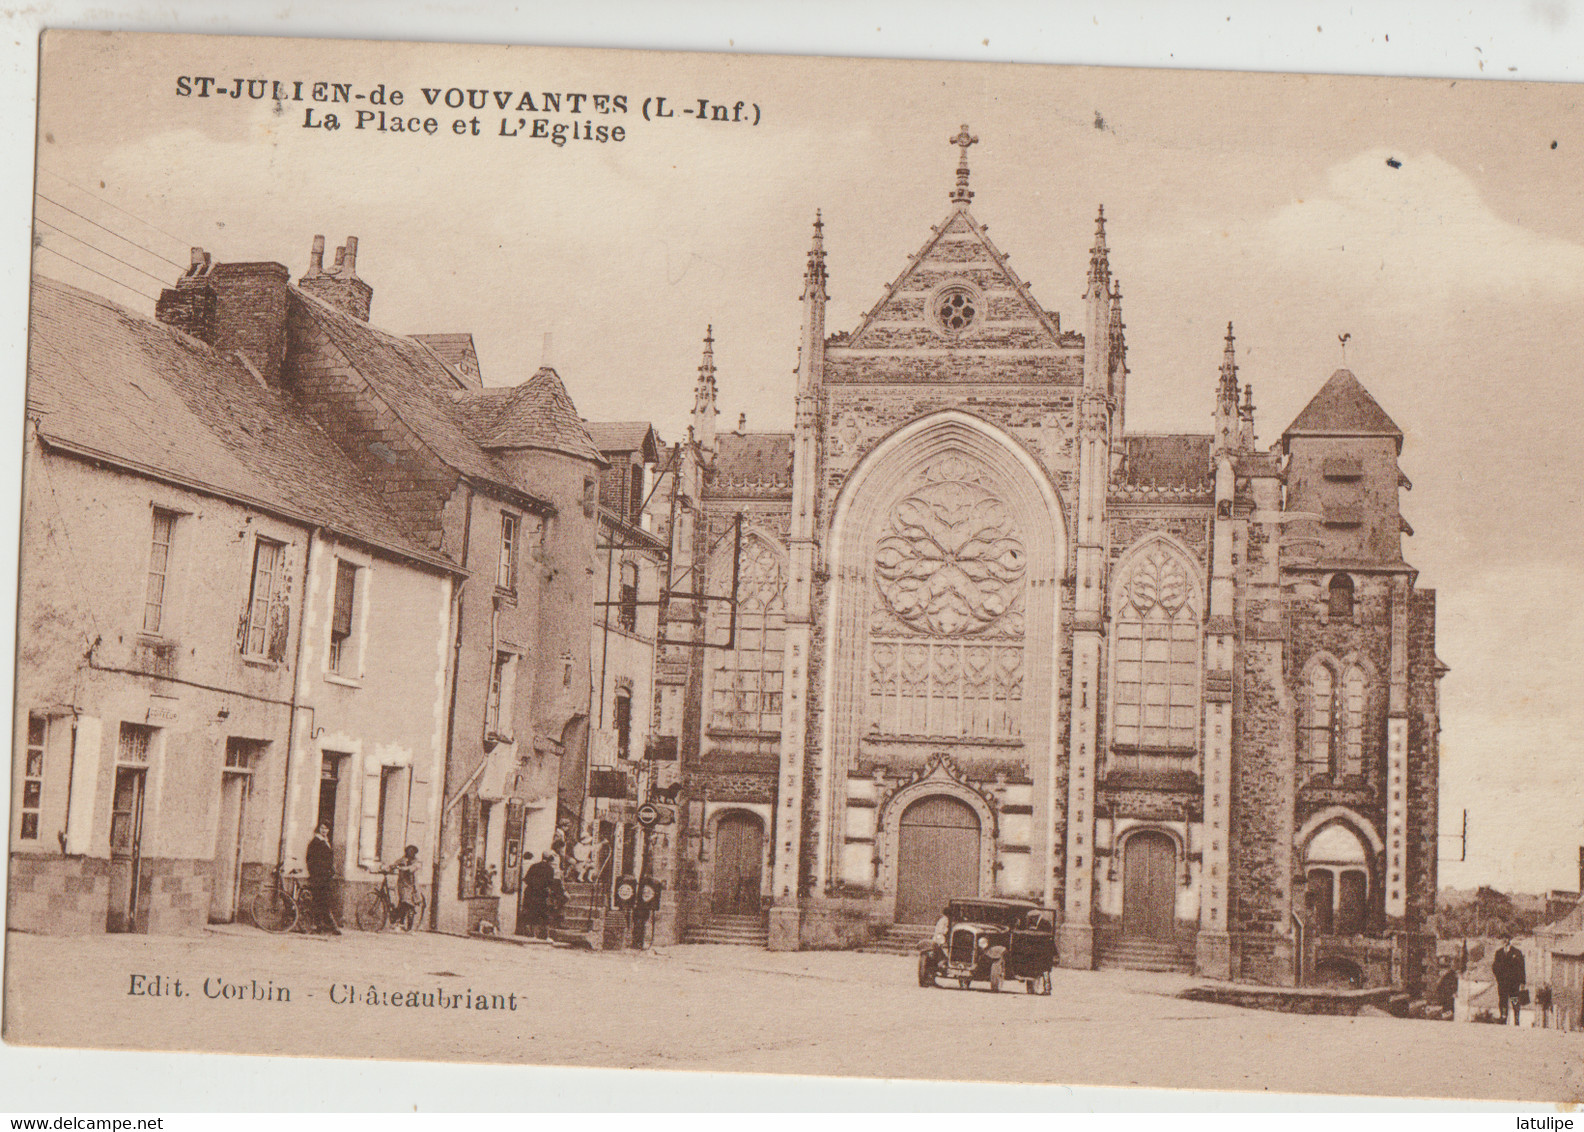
(801, 566)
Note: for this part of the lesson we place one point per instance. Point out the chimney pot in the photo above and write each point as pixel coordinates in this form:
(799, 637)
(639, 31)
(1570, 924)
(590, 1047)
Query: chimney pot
(339, 259)
(351, 255)
(316, 256)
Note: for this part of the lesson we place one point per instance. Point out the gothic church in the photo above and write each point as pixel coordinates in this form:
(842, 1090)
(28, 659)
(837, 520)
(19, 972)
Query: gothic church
(988, 642)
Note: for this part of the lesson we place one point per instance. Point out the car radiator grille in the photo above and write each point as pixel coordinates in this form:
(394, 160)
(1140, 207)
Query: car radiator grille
(962, 946)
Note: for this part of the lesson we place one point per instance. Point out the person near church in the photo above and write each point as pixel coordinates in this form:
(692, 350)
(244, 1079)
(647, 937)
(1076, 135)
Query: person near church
(1507, 965)
(320, 859)
(555, 892)
(536, 896)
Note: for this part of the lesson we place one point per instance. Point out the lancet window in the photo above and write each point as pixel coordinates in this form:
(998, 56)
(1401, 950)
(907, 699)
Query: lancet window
(747, 681)
(1156, 647)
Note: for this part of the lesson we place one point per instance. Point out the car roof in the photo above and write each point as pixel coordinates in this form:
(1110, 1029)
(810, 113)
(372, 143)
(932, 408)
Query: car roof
(999, 901)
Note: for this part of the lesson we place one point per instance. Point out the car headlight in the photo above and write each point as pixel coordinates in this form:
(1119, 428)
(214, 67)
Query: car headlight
(983, 943)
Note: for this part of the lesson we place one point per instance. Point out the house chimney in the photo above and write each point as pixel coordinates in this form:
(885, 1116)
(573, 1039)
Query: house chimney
(231, 306)
(340, 286)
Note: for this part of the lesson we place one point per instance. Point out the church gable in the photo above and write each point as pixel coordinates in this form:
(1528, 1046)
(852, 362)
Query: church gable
(958, 293)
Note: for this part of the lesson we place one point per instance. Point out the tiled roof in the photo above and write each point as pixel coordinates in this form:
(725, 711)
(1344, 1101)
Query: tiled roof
(536, 414)
(753, 459)
(454, 423)
(624, 436)
(1175, 461)
(105, 381)
(457, 352)
(1343, 407)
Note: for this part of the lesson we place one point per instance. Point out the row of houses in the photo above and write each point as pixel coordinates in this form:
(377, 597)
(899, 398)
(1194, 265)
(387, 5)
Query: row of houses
(283, 569)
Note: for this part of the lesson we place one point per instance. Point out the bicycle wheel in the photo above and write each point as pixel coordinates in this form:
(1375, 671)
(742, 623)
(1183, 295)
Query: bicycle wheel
(371, 912)
(415, 918)
(273, 908)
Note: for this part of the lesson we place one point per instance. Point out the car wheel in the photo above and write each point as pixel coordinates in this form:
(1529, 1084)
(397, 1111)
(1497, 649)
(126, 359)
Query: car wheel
(997, 972)
(926, 972)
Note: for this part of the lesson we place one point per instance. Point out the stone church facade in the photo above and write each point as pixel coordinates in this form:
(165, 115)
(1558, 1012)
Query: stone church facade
(988, 642)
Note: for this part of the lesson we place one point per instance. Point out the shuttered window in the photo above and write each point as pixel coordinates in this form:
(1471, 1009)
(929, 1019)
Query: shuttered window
(341, 617)
(159, 568)
(265, 627)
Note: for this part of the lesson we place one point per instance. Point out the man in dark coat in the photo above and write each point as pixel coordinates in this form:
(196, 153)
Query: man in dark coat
(321, 872)
(536, 885)
(1508, 967)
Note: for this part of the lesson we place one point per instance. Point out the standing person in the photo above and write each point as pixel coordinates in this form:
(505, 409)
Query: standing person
(406, 870)
(536, 896)
(555, 893)
(1508, 967)
(321, 872)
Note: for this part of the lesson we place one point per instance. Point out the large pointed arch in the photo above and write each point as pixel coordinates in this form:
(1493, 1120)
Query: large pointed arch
(1005, 470)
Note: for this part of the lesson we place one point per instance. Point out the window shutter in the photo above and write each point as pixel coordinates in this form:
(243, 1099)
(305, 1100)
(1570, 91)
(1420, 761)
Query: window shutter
(418, 812)
(466, 834)
(508, 694)
(368, 827)
(346, 586)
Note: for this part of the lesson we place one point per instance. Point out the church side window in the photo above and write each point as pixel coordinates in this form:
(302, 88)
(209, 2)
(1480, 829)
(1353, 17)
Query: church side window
(1353, 700)
(746, 696)
(1155, 644)
(1320, 720)
(1341, 597)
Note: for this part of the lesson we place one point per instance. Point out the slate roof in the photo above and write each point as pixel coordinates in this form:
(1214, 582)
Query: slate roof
(762, 458)
(624, 436)
(457, 425)
(457, 352)
(104, 381)
(1171, 461)
(536, 414)
(1343, 407)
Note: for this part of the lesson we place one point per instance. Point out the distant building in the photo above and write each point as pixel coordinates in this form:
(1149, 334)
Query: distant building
(1181, 687)
(226, 636)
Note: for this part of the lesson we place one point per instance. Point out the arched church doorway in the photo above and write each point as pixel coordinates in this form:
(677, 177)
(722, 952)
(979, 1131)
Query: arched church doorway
(739, 864)
(1149, 886)
(937, 857)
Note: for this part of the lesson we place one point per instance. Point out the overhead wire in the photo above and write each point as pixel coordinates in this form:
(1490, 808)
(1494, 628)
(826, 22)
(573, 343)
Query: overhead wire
(112, 231)
(96, 271)
(181, 242)
(97, 248)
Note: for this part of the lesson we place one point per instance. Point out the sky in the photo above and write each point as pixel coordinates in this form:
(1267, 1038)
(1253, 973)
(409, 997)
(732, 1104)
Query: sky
(1437, 223)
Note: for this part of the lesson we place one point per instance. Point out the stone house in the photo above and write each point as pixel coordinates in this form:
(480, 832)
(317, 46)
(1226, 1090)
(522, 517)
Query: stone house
(211, 593)
(1180, 687)
(499, 480)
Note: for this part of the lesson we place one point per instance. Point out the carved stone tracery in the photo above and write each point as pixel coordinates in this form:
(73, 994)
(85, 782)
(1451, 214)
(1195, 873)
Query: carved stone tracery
(952, 560)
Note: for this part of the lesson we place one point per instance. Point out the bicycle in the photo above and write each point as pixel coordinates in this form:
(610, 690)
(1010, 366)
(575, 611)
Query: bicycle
(282, 904)
(377, 910)
(277, 905)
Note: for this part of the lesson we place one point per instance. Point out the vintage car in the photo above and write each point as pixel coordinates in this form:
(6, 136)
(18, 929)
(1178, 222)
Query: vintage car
(992, 941)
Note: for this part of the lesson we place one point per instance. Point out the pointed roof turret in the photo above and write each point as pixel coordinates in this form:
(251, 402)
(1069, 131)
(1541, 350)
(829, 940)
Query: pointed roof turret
(704, 391)
(1343, 407)
(1099, 258)
(1227, 392)
(814, 275)
(961, 195)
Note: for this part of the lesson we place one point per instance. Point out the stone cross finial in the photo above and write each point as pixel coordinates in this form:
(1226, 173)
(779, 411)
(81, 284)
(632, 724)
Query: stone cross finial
(961, 194)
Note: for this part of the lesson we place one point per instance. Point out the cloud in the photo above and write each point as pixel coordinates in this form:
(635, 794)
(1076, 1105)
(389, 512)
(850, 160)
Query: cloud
(1418, 231)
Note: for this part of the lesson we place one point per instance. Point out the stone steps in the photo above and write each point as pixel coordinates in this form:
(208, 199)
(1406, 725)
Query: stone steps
(899, 939)
(1143, 955)
(737, 931)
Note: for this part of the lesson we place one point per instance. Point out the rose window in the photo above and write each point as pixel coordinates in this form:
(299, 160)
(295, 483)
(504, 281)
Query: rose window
(956, 309)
